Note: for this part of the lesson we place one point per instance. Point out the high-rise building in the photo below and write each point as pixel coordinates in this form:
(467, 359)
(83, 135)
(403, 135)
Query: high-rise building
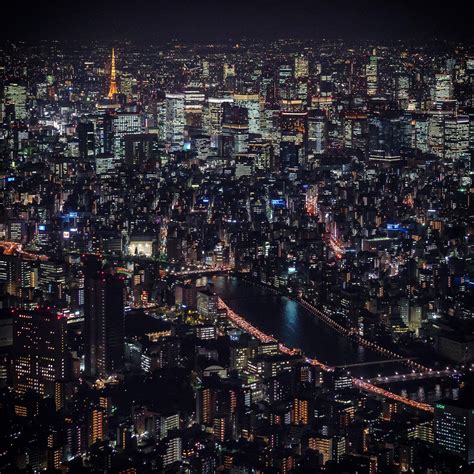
(252, 103)
(330, 447)
(97, 425)
(104, 130)
(235, 129)
(436, 132)
(173, 450)
(52, 276)
(207, 303)
(86, 136)
(193, 106)
(404, 305)
(271, 129)
(206, 405)
(105, 164)
(415, 318)
(140, 149)
(421, 133)
(454, 428)
(17, 231)
(39, 352)
(317, 132)
(285, 72)
(443, 87)
(205, 68)
(16, 273)
(371, 72)
(127, 83)
(15, 94)
(301, 67)
(213, 117)
(294, 127)
(103, 320)
(262, 154)
(185, 295)
(228, 71)
(124, 124)
(402, 87)
(175, 121)
(456, 137)
(355, 128)
(239, 356)
(300, 411)
(6, 344)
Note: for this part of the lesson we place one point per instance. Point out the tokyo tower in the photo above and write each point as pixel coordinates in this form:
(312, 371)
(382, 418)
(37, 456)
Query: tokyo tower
(113, 83)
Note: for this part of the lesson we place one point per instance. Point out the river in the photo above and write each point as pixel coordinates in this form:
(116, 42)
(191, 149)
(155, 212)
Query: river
(290, 323)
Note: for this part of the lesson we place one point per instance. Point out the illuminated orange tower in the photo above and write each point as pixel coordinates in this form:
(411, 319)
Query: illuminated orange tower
(113, 82)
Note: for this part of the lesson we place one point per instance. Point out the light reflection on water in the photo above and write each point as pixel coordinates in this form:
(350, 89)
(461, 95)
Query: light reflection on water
(296, 327)
(289, 322)
(431, 391)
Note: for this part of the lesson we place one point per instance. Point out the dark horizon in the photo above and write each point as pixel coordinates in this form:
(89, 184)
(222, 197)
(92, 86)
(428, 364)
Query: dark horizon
(211, 20)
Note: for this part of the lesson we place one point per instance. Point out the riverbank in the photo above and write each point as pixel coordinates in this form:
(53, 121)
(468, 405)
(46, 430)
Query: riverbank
(373, 346)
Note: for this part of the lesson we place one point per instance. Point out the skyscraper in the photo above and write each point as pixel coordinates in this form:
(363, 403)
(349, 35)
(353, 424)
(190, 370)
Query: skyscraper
(252, 103)
(175, 121)
(103, 320)
(15, 94)
(317, 132)
(125, 123)
(39, 352)
(213, 117)
(454, 427)
(456, 137)
(301, 67)
(86, 136)
(371, 72)
(127, 83)
(443, 87)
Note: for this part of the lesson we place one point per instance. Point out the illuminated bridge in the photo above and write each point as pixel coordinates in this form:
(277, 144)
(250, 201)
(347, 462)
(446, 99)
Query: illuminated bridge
(430, 374)
(360, 340)
(15, 248)
(375, 362)
(208, 270)
(240, 322)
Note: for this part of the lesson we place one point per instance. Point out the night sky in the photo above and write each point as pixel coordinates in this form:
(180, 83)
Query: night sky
(212, 19)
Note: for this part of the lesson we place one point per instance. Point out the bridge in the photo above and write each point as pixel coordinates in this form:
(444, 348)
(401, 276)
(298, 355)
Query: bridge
(361, 384)
(211, 270)
(375, 362)
(359, 339)
(15, 248)
(430, 374)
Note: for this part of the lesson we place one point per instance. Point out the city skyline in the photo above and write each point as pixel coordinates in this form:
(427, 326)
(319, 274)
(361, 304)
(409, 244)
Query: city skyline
(237, 255)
